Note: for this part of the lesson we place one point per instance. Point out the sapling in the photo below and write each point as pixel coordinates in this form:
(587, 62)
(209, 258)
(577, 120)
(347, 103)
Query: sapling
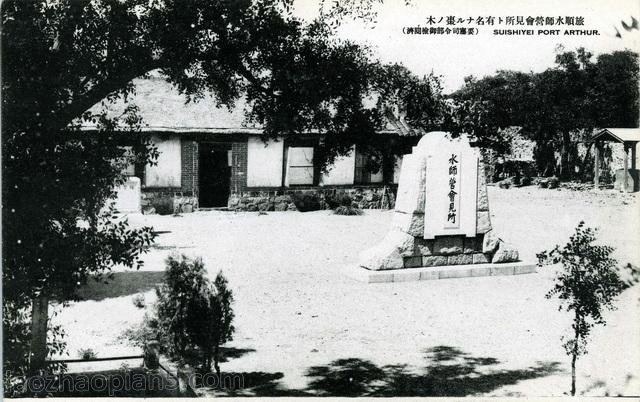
(587, 285)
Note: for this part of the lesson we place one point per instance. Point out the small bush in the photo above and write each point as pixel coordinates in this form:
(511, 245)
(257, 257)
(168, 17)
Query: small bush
(337, 200)
(138, 301)
(543, 183)
(506, 183)
(306, 202)
(163, 206)
(87, 354)
(553, 182)
(525, 181)
(347, 210)
(193, 316)
(518, 168)
(332, 201)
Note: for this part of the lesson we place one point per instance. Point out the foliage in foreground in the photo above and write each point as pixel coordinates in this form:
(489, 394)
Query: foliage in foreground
(347, 210)
(192, 318)
(587, 285)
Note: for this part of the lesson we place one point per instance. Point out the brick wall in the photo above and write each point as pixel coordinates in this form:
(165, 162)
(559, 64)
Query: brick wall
(190, 163)
(239, 167)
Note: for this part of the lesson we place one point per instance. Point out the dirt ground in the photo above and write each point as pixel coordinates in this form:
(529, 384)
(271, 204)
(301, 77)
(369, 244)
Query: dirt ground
(304, 328)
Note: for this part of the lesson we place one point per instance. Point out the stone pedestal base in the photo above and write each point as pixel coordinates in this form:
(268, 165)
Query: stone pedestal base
(443, 272)
(632, 180)
(401, 250)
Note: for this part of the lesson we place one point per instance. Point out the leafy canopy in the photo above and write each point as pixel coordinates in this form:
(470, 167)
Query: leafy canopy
(555, 108)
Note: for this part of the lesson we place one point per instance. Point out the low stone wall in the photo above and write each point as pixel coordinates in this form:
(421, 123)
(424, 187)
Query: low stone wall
(167, 201)
(262, 203)
(365, 197)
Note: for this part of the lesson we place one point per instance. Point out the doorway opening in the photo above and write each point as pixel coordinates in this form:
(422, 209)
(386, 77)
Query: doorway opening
(214, 174)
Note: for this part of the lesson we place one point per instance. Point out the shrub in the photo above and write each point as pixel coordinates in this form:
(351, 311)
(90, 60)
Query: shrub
(306, 202)
(163, 206)
(506, 183)
(192, 317)
(347, 210)
(553, 182)
(87, 354)
(518, 168)
(334, 201)
(525, 181)
(544, 183)
(138, 301)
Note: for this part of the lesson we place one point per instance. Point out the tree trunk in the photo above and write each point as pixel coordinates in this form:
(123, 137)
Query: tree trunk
(574, 355)
(573, 374)
(39, 317)
(565, 168)
(216, 360)
(206, 365)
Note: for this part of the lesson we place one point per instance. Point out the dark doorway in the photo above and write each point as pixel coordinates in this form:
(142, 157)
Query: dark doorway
(214, 174)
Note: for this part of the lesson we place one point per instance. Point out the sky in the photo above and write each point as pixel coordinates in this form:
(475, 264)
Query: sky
(455, 56)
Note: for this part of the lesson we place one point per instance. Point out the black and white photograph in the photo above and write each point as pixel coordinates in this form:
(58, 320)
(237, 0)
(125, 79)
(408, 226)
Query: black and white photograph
(320, 198)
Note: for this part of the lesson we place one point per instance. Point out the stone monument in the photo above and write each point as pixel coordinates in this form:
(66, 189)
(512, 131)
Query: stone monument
(441, 218)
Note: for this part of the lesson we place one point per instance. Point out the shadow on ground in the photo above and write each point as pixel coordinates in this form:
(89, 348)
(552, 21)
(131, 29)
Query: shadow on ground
(233, 353)
(121, 284)
(448, 372)
(136, 382)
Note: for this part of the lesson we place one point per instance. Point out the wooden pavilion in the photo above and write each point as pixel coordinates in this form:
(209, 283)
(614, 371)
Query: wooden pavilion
(627, 179)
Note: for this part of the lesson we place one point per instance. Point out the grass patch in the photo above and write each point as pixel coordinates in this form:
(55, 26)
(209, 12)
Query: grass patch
(347, 210)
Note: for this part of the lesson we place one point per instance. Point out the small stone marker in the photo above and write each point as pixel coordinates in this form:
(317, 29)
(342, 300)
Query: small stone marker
(441, 216)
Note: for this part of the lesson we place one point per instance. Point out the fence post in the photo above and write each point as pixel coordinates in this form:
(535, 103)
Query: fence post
(186, 381)
(151, 359)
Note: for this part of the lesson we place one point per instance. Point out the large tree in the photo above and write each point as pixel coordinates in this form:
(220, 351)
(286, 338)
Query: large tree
(561, 104)
(616, 89)
(486, 107)
(557, 107)
(60, 58)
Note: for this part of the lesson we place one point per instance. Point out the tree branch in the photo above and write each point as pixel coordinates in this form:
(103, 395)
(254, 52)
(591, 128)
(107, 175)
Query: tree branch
(248, 75)
(61, 118)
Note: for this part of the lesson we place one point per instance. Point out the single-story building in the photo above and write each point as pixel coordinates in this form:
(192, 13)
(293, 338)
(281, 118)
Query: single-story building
(210, 158)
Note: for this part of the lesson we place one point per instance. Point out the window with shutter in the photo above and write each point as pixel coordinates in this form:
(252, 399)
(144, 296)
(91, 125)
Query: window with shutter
(299, 166)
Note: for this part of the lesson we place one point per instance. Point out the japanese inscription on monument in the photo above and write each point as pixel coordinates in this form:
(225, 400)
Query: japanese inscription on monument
(450, 190)
(454, 190)
(441, 216)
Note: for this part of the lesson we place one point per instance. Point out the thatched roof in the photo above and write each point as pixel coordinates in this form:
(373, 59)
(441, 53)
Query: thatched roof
(163, 109)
